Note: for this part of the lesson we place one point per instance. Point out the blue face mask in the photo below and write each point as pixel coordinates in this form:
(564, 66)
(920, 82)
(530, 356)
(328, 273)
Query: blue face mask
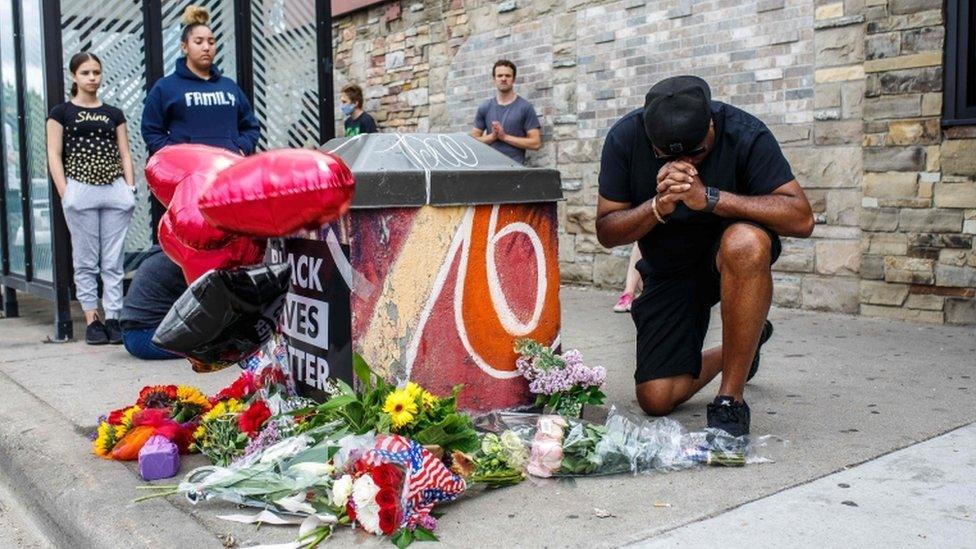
(346, 108)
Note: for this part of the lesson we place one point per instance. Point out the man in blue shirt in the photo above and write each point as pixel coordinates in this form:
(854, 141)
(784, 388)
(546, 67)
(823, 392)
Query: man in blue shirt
(508, 122)
(705, 190)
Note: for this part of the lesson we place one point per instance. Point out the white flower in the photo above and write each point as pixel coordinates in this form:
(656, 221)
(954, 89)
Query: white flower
(341, 491)
(296, 504)
(369, 518)
(364, 492)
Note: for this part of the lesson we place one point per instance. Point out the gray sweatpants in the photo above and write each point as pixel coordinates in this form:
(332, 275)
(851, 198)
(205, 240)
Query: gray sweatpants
(98, 218)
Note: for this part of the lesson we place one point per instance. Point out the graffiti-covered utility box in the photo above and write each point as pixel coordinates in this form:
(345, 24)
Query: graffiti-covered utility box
(448, 255)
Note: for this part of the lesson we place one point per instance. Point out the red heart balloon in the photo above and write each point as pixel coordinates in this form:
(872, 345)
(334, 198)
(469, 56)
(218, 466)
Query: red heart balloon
(186, 220)
(276, 193)
(172, 164)
(239, 250)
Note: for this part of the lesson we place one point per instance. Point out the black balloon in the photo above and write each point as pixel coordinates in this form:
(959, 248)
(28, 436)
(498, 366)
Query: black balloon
(225, 316)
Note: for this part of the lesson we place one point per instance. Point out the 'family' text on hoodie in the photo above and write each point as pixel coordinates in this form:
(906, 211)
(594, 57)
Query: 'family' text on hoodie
(184, 108)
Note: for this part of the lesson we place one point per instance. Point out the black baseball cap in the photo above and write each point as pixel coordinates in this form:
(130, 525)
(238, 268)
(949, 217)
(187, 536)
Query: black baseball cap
(677, 112)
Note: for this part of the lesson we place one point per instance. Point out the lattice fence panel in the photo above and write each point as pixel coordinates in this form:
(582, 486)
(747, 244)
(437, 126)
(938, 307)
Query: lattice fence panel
(285, 76)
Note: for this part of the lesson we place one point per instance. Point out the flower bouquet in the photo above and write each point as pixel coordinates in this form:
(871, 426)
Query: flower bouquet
(172, 411)
(573, 447)
(408, 410)
(561, 383)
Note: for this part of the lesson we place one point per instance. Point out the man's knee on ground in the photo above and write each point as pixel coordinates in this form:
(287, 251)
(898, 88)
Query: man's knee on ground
(744, 248)
(655, 397)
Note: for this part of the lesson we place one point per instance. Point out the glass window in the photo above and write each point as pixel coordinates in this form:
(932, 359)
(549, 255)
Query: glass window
(11, 140)
(36, 117)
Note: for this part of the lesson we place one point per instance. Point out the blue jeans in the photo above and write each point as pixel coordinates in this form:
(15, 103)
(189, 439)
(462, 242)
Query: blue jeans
(139, 344)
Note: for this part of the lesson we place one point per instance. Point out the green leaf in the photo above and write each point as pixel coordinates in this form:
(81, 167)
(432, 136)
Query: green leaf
(362, 371)
(423, 534)
(402, 538)
(336, 402)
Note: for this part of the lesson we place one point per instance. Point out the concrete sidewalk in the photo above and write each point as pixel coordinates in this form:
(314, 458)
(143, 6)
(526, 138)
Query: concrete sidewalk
(842, 390)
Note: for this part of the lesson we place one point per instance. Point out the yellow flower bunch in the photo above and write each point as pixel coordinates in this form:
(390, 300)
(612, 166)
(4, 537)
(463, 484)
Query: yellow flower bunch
(105, 440)
(229, 406)
(192, 395)
(403, 405)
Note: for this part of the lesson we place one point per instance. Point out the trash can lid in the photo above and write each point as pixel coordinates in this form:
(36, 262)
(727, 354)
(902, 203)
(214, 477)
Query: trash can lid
(439, 169)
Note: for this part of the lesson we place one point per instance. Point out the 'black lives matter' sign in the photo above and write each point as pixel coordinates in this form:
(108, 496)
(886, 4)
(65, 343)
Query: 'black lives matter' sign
(316, 319)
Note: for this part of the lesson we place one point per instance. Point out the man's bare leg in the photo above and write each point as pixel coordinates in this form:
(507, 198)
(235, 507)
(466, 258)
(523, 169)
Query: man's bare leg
(747, 292)
(658, 397)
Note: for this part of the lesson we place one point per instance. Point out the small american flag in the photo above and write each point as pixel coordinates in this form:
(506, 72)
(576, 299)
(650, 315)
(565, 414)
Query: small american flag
(428, 480)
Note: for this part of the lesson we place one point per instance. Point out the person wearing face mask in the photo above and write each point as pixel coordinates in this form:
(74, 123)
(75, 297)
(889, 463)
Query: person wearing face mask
(351, 104)
(705, 190)
(196, 104)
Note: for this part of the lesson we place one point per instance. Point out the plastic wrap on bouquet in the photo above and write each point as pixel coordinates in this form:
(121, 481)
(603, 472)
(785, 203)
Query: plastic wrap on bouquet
(561, 446)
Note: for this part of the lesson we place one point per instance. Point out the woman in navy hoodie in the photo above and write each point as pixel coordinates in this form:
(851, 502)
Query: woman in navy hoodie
(196, 104)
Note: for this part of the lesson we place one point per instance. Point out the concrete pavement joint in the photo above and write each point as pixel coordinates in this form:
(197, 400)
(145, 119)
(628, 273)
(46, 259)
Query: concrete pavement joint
(788, 488)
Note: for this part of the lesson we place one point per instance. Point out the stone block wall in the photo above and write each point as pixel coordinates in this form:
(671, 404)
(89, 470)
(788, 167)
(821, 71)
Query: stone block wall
(852, 90)
(918, 260)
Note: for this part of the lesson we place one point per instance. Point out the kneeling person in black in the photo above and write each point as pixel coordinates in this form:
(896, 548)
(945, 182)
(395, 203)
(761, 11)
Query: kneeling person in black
(706, 191)
(157, 284)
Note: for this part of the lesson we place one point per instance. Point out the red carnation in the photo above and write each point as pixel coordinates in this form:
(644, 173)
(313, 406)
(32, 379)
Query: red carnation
(242, 387)
(351, 511)
(388, 520)
(253, 418)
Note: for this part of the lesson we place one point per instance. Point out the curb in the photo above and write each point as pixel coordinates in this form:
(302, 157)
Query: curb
(76, 499)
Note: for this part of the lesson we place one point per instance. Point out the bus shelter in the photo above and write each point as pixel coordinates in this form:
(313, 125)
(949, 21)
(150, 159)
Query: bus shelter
(279, 51)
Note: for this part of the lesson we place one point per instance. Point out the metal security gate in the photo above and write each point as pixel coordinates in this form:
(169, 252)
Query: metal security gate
(279, 51)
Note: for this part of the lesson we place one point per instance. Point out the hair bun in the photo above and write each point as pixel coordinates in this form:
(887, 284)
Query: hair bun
(195, 15)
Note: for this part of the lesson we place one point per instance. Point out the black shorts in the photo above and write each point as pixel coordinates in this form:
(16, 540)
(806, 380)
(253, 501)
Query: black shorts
(672, 315)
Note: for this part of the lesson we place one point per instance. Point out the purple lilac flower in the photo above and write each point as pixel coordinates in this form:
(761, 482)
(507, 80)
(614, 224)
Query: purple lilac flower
(271, 434)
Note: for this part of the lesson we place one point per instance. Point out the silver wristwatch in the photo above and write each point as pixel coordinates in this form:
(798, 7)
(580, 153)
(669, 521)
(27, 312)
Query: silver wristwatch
(711, 199)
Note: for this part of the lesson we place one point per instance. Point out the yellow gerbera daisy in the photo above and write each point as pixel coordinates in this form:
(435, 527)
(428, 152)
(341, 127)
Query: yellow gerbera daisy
(192, 395)
(105, 441)
(198, 434)
(401, 407)
(125, 425)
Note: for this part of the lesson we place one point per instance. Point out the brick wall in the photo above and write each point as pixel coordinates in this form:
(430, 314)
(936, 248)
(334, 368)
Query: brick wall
(852, 90)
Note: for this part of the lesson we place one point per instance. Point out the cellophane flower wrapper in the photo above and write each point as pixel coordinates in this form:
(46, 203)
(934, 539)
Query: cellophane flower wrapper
(293, 476)
(561, 447)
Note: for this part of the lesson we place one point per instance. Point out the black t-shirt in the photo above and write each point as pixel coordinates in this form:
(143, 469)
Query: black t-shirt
(157, 284)
(363, 124)
(745, 160)
(91, 149)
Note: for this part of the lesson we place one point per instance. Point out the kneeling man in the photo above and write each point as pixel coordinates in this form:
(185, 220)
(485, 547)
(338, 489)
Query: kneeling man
(705, 190)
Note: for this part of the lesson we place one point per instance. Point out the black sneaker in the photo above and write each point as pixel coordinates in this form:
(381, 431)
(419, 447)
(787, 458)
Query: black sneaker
(728, 415)
(114, 331)
(95, 334)
(767, 332)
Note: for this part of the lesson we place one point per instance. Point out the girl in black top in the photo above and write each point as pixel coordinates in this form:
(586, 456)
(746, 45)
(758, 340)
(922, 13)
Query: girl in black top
(91, 165)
